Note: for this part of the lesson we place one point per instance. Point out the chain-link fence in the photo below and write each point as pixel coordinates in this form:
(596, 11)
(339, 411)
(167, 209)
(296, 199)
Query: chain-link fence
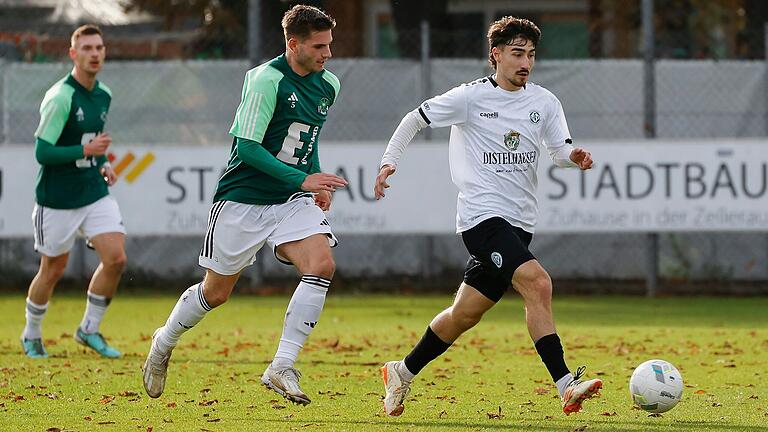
(193, 101)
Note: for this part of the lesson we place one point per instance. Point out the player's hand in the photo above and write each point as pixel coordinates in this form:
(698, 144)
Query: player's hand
(582, 158)
(109, 174)
(322, 182)
(381, 180)
(97, 146)
(323, 200)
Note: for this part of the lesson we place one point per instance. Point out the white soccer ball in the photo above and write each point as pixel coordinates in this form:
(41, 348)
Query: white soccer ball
(656, 386)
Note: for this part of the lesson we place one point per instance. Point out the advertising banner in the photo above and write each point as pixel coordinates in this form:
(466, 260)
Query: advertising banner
(635, 186)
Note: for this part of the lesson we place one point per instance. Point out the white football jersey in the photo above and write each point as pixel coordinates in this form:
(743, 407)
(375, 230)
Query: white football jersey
(494, 149)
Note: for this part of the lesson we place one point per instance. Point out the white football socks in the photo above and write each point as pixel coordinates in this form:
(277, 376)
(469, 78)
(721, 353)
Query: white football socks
(34, 314)
(402, 369)
(95, 308)
(300, 318)
(563, 382)
(189, 310)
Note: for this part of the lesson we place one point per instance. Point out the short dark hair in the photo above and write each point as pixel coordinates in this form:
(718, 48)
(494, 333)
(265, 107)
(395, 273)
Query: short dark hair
(85, 30)
(301, 20)
(509, 28)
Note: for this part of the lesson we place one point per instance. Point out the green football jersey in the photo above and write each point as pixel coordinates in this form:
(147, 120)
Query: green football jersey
(71, 115)
(284, 112)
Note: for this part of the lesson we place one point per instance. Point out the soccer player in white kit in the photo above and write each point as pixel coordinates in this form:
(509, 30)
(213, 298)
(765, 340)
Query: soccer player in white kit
(498, 125)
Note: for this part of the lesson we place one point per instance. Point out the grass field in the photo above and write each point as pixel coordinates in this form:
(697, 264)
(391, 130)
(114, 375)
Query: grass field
(491, 379)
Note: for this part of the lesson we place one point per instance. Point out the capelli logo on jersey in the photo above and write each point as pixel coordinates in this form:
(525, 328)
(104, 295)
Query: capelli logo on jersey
(490, 115)
(127, 161)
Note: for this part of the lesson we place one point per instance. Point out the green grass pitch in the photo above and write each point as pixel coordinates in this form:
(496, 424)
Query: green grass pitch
(491, 379)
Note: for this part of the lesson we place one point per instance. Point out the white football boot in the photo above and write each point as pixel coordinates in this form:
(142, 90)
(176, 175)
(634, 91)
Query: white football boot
(286, 383)
(578, 391)
(155, 370)
(395, 387)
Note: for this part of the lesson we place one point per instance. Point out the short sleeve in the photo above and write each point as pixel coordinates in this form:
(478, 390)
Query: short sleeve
(556, 131)
(257, 104)
(447, 109)
(333, 80)
(54, 112)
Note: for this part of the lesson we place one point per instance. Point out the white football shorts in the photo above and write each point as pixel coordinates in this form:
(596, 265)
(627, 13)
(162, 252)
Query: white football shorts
(237, 231)
(56, 229)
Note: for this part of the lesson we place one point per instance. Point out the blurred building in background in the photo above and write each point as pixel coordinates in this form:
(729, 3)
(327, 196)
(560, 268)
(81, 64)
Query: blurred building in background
(36, 30)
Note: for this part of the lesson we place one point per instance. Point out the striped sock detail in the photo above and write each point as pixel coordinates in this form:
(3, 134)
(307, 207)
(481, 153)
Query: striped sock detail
(316, 281)
(36, 309)
(201, 297)
(99, 300)
(207, 251)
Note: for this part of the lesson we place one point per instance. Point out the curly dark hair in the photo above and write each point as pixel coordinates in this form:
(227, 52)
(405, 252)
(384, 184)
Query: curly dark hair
(509, 28)
(301, 20)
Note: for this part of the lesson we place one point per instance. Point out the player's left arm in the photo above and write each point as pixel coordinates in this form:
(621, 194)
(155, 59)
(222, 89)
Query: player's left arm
(323, 198)
(557, 138)
(108, 173)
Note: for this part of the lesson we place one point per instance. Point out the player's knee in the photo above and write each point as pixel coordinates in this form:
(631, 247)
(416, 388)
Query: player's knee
(323, 266)
(464, 318)
(540, 289)
(115, 262)
(51, 274)
(216, 296)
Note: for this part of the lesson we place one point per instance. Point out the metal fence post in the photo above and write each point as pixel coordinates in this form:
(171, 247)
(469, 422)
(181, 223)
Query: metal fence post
(649, 126)
(254, 28)
(3, 102)
(426, 72)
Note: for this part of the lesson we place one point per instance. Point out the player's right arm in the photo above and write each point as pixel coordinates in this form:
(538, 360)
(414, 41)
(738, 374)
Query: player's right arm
(257, 106)
(447, 109)
(54, 112)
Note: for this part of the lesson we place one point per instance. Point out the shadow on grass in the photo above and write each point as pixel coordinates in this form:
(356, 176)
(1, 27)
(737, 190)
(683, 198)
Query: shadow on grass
(557, 425)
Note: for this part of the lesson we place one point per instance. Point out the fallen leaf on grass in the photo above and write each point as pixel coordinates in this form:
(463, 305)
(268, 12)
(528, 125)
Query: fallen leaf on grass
(167, 420)
(716, 404)
(208, 402)
(753, 397)
(442, 413)
(699, 392)
(53, 429)
(127, 393)
(276, 406)
(581, 428)
(541, 391)
(608, 414)
(497, 416)
(105, 422)
(105, 399)
(213, 420)
(171, 405)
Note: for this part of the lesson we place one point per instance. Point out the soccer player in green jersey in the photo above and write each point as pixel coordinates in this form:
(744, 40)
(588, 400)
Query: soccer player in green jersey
(72, 195)
(273, 192)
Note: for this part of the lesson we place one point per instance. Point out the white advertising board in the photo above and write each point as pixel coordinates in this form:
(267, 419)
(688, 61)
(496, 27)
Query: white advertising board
(635, 186)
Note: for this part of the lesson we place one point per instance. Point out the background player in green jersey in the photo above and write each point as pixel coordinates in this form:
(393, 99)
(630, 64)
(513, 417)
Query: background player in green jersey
(273, 192)
(72, 195)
